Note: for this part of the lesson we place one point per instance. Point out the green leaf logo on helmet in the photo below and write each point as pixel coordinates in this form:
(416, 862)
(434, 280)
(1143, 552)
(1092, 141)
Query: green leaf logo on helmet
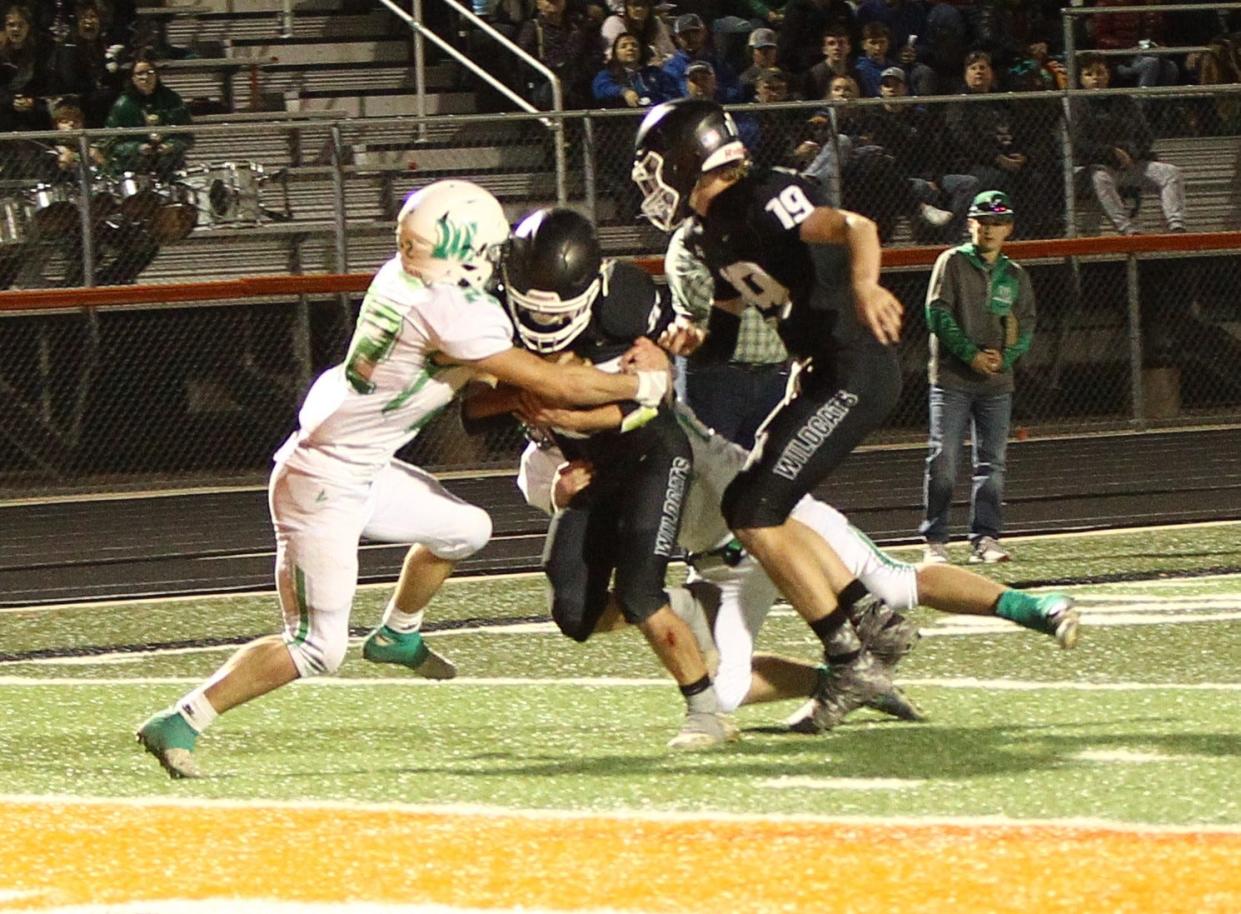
(453, 241)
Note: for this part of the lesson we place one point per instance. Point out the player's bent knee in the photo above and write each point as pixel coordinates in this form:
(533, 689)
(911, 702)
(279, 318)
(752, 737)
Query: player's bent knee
(896, 585)
(317, 659)
(472, 534)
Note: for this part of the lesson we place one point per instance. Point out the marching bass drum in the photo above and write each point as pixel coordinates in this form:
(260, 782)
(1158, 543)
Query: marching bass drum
(56, 212)
(139, 195)
(177, 214)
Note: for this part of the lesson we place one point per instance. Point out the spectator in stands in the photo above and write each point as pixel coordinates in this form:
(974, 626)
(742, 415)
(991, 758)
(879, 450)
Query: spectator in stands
(876, 57)
(772, 144)
(837, 61)
(1113, 144)
(801, 35)
(147, 102)
(1134, 31)
(630, 79)
(935, 203)
(763, 57)
(640, 19)
(1008, 146)
(568, 44)
(906, 22)
(23, 73)
(1037, 71)
(692, 47)
(823, 150)
(83, 65)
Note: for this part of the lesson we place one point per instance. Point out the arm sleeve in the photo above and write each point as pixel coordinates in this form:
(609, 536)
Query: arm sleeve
(689, 280)
(941, 298)
(469, 326)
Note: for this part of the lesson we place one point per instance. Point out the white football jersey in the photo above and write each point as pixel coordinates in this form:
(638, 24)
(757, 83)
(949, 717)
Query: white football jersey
(361, 412)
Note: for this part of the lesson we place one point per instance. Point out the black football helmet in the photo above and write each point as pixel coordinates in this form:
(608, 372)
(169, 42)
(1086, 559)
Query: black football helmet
(553, 272)
(676, 143)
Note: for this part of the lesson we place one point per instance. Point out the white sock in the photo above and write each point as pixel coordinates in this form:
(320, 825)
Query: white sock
(403, 622)
(197, 710)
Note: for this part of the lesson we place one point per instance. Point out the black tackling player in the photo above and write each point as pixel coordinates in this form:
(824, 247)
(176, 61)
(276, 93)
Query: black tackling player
(564, 298)
(773, 243)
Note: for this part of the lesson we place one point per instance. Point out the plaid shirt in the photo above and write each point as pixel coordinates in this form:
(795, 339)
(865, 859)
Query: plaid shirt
(693, 292)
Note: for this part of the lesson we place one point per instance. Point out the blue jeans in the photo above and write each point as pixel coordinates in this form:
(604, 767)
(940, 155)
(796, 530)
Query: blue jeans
(735, 399)
(988, 416)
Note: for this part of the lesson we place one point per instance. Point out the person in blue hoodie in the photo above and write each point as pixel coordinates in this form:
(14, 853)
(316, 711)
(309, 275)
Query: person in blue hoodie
(630, 80)
(693, 46)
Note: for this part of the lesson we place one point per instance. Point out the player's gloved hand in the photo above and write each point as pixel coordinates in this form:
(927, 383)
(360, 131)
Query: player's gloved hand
(880, 311)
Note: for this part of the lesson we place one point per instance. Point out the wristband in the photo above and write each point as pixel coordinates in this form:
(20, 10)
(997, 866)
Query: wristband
(652, 387)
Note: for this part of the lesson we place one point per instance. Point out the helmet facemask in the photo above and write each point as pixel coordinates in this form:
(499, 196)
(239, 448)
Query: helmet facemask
(547, 323)
(661, 203)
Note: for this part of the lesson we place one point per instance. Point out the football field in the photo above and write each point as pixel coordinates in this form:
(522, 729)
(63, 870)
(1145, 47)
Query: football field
(1105, 779)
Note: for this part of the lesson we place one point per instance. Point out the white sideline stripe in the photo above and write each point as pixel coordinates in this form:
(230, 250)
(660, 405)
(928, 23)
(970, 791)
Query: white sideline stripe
(1015, 685)
(947, 626)
(803, 782)
(1132, 757)
(625, 815)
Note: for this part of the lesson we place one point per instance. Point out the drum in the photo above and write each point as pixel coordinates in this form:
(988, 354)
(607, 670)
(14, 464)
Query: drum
(228, 194)
(56, 213)
(105, 198)
(139, 195)
(15, 216)
(176, 215)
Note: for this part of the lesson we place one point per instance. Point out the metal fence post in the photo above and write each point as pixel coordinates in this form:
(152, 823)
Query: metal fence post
(338, 215)
(420, 72)
(87, 221)
(589, 153)
(1135, 341)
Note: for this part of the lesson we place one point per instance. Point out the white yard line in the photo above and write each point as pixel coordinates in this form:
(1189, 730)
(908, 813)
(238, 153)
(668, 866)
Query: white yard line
(578, 815)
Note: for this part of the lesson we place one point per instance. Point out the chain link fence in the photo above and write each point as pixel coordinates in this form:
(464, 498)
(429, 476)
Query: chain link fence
(186, 394)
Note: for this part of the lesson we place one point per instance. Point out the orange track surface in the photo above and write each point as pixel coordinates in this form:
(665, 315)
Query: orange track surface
(104, 853)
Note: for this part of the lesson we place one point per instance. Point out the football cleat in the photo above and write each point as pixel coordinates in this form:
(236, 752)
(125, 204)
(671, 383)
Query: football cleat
(1063, 619)
(169, 737)
(703, 730)
(845, 688)
(385, 645)
(895, 703)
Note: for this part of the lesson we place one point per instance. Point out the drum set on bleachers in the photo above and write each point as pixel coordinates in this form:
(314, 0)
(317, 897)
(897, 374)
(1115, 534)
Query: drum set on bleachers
(207, 196)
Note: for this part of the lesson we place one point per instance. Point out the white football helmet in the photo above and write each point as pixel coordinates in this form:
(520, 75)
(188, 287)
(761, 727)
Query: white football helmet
(452, 231)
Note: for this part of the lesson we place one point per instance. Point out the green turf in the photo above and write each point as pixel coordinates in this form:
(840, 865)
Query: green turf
(1167, 755)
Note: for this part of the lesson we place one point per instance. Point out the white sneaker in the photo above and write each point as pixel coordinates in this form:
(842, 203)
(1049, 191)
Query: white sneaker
(987, 551)
(936, 554)
(704, 730)
(933, 215)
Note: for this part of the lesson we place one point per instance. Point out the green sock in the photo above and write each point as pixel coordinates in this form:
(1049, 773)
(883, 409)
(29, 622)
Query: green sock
(408, 640)
(1024, 609)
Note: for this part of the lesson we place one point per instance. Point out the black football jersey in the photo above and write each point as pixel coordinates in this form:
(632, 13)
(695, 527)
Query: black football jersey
(629, 308)
(749, 239)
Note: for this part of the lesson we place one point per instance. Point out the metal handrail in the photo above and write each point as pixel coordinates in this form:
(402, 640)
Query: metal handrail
(421, 31)
(1069, 13)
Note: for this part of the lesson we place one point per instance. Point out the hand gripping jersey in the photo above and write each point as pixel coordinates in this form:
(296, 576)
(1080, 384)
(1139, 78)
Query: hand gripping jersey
(628, 307)
(750, 240)
(359, 413)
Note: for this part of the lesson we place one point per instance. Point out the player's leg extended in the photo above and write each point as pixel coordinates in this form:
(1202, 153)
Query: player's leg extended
(952, 589)
(410, 505)
(317, 528)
